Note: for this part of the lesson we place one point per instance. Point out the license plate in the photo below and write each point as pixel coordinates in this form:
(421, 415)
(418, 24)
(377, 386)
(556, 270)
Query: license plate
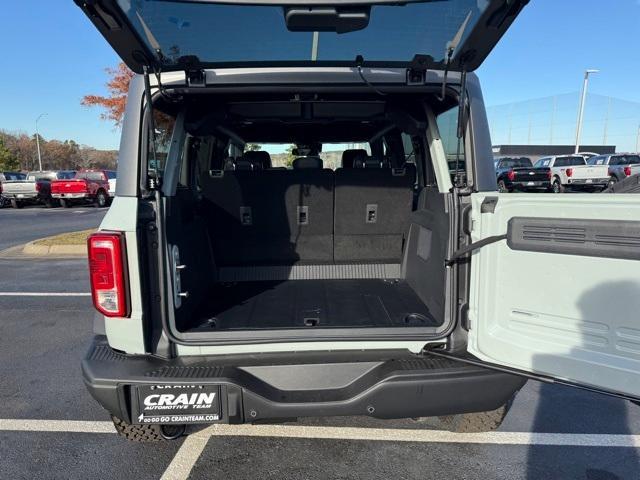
(179, 404)
(530, 184)
(20, 195)
(589, 180)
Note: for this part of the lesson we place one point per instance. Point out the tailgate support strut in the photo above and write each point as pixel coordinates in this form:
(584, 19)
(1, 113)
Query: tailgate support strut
(153, 181)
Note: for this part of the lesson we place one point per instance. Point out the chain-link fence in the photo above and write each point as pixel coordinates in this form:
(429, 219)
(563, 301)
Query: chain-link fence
(552, 121)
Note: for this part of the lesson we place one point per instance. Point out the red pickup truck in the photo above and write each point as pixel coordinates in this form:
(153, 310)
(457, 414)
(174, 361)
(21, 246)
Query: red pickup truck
(86, 186)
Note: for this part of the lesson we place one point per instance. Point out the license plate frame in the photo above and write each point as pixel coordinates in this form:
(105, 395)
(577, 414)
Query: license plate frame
(177, 404)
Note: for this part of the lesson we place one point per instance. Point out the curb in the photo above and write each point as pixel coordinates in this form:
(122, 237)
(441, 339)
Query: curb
(34, 249)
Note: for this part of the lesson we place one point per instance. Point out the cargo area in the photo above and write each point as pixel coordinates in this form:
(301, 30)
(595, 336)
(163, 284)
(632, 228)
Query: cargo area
(320, 244)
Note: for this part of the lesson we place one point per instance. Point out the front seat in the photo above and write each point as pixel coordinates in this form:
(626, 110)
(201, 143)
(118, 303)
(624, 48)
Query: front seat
(259, 159)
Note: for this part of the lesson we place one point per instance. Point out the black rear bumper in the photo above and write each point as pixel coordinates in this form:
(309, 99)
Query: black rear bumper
(388, 384)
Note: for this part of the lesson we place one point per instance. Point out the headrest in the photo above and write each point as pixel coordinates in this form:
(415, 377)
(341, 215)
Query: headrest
(260, 159)
(243, 164)
(308, 162)
(349, 156)
(229, 163)
(367, 162)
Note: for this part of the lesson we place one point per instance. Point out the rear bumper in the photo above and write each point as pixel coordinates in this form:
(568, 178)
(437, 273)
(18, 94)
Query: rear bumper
(27, 197)
(531, 184)
(74, 196)
(588, 182)
(391, 384)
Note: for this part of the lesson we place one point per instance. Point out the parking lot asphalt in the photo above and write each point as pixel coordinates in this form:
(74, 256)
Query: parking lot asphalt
(23, 225)
(46, 325)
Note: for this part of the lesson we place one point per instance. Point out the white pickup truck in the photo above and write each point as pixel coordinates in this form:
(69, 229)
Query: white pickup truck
(571, 172)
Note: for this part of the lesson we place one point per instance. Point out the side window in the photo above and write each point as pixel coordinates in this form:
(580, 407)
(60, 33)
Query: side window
(164, 125)
(453, 147)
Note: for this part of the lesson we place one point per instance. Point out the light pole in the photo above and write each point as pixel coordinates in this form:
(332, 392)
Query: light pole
(38, 141)
(585, 85)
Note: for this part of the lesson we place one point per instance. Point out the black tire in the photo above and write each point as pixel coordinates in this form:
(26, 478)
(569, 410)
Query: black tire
(101, 199)
(48, 203)
(15, 203)
(502, 187)
(147, 433)
(65, 203)
(476, 422)
(557, 187)
(612, 181)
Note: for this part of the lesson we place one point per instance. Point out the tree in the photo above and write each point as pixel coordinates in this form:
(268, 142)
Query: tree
(115, 102)
(8, 161)
(252, 147)
(290, 155)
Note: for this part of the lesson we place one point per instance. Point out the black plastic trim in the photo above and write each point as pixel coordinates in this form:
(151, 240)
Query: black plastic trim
(382, 384)
(572, 236)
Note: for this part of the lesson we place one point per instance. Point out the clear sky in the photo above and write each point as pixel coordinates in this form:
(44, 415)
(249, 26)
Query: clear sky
(52, 56)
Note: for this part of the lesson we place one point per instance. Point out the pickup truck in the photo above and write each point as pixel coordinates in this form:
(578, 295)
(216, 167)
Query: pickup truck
(33, 189)
(8, 177)
(619, 165)
(519, 174)
(89, 186)
(112, 177)
(571, 172)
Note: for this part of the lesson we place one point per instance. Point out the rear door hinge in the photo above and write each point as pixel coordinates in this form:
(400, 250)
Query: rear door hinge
(417, 70)
(196, 78)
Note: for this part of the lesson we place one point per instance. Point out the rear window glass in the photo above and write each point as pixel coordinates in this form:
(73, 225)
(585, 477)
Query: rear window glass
(597, 161)
(111, 175)
(515, 163)
(219, 33)
(10, 177)
(633, 159)
(65, 175)
(569, 162)
(91, 175)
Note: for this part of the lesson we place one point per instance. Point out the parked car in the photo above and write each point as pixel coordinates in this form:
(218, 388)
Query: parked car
(112, 177)
(257, 294)
(8, 177)
(88, 186)
(519, 174)
(34, 189)
(571, 172)
(619, 165)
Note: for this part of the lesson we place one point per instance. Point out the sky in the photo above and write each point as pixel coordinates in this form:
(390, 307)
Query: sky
(52, 56)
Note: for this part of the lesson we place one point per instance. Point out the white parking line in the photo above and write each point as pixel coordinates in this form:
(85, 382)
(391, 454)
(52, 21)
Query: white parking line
(187, 456)
(191, 449)
(45, 294)
(63, 426)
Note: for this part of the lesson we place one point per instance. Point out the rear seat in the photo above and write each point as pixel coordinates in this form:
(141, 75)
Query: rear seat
(372, 209)
(308, 214)
(271, 216)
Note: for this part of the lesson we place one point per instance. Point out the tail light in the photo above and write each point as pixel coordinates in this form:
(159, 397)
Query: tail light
(549, 175)
(569, 172)
(511, 175)
(107, 272)
(38, 186)
(627, 171)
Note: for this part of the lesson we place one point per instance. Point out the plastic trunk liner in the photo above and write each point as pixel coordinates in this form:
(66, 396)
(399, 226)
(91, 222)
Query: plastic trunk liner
(314, 304)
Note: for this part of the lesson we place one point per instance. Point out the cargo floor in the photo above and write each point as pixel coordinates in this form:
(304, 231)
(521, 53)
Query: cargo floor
(313, 304)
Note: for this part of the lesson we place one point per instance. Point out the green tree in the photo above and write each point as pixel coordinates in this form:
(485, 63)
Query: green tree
(8, 161)
(252, 147)
(290, 155)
